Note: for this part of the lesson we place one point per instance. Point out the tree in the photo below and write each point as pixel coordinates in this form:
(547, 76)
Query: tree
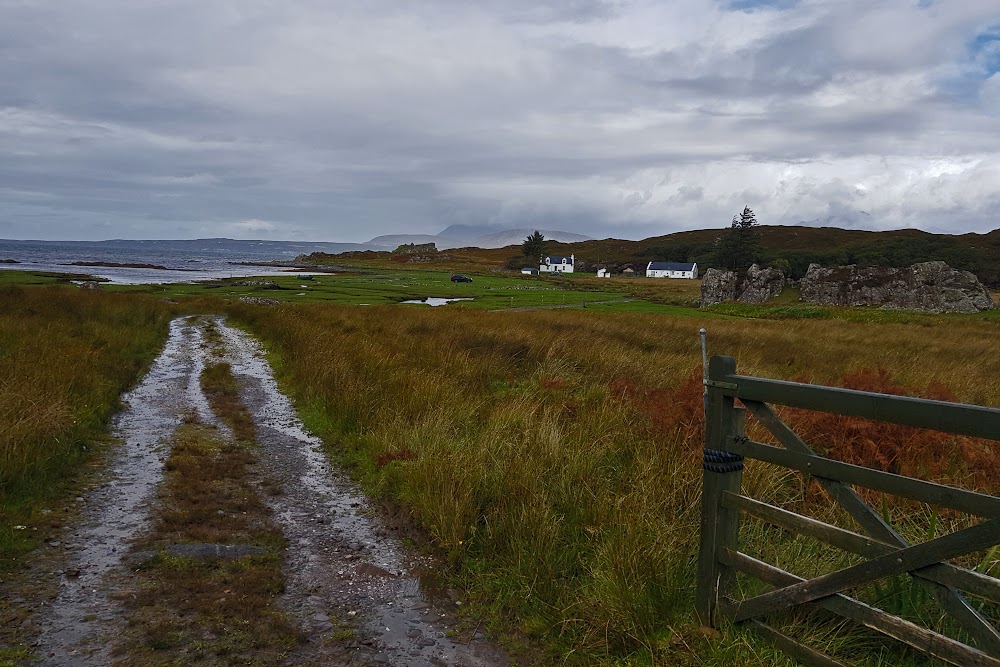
(739, 246)
(533, 246)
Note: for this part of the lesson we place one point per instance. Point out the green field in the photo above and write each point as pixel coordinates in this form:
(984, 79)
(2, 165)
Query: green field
(375, 285)
(386, 286)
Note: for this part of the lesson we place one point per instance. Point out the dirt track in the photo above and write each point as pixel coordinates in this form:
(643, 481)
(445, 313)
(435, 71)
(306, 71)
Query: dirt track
(344, 567)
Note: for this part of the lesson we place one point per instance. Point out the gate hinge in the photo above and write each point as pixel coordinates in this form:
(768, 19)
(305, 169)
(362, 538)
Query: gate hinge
(721, 385)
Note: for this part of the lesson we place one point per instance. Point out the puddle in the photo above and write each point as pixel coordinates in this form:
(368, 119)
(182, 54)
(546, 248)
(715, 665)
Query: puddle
(436, 301)
(75, 622)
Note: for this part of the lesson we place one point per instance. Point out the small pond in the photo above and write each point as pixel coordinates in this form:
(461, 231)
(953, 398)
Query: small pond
(436, 300)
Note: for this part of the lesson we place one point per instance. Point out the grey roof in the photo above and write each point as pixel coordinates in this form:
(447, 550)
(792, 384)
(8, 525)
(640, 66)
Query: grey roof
(671, 266)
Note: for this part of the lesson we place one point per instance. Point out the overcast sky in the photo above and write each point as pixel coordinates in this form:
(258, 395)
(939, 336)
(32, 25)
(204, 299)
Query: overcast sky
(330, 120)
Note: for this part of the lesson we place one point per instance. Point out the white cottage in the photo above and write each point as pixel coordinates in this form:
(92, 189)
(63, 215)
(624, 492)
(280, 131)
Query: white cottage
(672, 270)
(557, 264)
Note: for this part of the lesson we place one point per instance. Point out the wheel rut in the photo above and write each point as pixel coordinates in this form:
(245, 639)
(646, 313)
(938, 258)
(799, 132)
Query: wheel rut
(356, 593)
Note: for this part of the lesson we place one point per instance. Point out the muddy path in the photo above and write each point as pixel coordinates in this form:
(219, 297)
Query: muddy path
(344, 568)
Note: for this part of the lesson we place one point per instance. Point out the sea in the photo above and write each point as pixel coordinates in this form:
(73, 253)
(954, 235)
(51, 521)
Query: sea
(183, 260)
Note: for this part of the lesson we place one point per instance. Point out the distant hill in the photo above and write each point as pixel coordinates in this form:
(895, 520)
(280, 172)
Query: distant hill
(517, 236)
(796, 245)
(221, 248)
(390, 241)
(473, 236)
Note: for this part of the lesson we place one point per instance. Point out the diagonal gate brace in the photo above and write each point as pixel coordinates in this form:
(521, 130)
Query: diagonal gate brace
(981, 536)
(981, 630)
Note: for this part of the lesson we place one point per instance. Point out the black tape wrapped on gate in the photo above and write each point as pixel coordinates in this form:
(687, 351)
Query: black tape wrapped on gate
(716, 460)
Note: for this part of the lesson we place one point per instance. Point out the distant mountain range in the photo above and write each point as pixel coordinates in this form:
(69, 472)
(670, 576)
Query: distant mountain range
(220, 247)
(472, 236)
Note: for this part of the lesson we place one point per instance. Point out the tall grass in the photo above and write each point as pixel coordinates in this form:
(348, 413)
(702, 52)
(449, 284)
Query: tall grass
(556, 456)
(65, 357)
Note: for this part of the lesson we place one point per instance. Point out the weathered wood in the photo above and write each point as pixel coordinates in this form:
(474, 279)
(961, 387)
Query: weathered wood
(972, 420)
(977, 504)
(928, 641)
(980, 629)
(973, 583)
(964, 541)
(845, 496)
(796, 649)
(729, 519)
(945, 574)
(838, 537)
(937, 577)
(719, 526)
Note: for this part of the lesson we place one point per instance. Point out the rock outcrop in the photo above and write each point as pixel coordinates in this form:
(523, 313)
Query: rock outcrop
(759, 285)
(933, 287)
(415, 249)
(717, 286)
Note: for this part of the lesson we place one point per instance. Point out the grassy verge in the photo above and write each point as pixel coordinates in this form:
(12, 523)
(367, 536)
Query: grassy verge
(555, 455)
(65, 357)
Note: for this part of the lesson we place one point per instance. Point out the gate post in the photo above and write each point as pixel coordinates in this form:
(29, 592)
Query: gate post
(723, 471)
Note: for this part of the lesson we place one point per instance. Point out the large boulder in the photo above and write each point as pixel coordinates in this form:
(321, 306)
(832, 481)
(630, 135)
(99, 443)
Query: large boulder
(761, 284)
(933, 287)
(717, 286)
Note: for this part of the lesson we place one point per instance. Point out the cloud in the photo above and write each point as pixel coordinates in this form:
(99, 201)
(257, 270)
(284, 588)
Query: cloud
(344, 121)
(252, 226)
(990, 95)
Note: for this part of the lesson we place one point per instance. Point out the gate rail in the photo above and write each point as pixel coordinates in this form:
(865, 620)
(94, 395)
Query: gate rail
(886, 552)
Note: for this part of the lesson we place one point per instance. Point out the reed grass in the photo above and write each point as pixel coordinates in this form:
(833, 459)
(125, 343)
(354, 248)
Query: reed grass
(65, 357)
(555, 456)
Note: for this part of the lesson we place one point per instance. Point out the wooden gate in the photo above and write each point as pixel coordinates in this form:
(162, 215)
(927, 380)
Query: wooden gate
(887, 554)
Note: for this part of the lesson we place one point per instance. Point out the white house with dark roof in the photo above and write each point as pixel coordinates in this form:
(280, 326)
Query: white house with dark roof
(557, 264)
(672, 270)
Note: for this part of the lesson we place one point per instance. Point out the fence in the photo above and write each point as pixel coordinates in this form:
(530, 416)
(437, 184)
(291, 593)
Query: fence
(885, 552)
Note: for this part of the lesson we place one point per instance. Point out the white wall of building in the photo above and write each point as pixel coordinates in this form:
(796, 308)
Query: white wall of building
(659, 273)
(557, 265)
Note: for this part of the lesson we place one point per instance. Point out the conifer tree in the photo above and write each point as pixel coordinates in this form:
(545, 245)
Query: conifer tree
(739, 246)
(533, 246)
